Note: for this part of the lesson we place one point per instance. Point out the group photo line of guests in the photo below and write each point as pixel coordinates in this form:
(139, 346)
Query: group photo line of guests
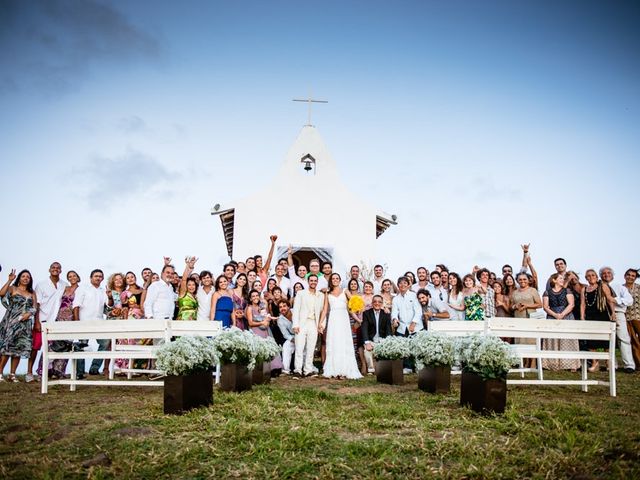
(310, 310)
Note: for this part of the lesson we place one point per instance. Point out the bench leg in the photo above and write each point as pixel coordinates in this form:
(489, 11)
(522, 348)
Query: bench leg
(612, 381)
(44, 387)
(218, 374)
(521, 367)
(74, 375)
(585, 388)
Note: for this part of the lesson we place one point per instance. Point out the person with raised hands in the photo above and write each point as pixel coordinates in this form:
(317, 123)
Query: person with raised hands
(19, 321)
(188, 293)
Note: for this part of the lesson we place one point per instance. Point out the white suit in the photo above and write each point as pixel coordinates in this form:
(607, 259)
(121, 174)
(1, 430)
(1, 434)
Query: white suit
(307, 309)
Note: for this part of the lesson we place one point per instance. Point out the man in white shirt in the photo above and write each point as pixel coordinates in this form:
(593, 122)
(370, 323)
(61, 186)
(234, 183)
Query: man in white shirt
(49, 293)
(286, 328)
(314, 269)
(623, 300)
(432, 308)
(436, 289)
(204, 294)
(88, 304)
(281, 281)
(406, 315)
(354, 274)
(295, 277)
(378, 278)
(307, 309)
(423, 280)
(160, 300)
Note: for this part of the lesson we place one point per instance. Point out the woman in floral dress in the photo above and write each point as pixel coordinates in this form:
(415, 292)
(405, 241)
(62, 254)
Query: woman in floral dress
(258, 319)
(65, 314)
(17, 325)
(473, 307)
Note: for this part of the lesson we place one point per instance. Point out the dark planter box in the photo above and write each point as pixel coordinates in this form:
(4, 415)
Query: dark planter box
(483, 396)
(261, 373)
(435, 379)
(185, 392)
(235, 378)
(390, 371)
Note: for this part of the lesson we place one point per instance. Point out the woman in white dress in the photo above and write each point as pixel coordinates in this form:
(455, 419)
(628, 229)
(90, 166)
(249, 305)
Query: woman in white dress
(340, 361)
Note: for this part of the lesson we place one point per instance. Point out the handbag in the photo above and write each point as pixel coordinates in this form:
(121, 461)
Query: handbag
(36, 341)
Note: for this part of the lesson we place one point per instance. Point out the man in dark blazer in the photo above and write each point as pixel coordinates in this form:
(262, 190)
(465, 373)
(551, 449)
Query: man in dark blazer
(376, 324)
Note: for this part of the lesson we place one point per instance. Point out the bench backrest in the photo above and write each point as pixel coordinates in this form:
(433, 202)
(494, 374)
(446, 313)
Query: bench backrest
(457, 328)
(549, 328)
(179, 328)
(95, 329)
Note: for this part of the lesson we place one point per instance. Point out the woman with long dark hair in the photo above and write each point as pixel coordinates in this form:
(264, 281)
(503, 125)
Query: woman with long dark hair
(340, 361)
(456, 298)
(18, 323)
(240, 297)
(221, 302)
(596, 303)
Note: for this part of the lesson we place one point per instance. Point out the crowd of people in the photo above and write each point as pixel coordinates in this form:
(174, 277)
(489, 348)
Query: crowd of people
(310, 309)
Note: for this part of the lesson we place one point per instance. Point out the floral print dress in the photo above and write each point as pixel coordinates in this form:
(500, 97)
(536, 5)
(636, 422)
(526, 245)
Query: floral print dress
(473, 307)
(15, 333)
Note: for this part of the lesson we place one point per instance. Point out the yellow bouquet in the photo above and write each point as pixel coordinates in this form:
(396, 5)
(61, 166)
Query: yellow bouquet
(356, 304)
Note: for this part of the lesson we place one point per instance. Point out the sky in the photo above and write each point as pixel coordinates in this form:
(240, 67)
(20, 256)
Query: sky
(481, 125)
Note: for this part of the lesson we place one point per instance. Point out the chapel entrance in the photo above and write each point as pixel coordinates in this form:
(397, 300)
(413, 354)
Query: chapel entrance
(303, 255)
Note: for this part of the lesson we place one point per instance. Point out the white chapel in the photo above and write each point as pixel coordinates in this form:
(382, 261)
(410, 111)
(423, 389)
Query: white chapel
(316, 222)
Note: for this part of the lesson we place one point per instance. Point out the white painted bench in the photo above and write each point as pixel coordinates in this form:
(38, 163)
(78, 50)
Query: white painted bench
(538, 330)
(156, 330)
(563, 330)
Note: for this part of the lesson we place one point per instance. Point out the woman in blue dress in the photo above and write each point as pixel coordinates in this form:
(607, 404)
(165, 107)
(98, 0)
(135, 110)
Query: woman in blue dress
(222, 302)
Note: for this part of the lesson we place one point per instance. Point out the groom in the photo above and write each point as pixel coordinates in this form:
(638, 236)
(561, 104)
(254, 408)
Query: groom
(306, 318)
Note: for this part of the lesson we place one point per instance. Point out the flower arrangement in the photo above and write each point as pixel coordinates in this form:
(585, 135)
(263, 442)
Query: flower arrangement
(392, 348)
(432, 349)
(486, 355)
(186, 355)
(236, 346)
(266, 349)
(356, 304)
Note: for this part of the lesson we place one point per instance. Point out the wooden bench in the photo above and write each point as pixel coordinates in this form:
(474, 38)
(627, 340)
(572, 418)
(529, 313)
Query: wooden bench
(563, 330)
(538, 330)
(159, 331)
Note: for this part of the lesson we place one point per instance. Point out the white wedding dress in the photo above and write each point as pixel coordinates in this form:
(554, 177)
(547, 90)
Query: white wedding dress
(341, 359)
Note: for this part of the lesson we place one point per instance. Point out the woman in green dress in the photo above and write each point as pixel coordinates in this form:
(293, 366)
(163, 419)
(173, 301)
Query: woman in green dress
(187, 299)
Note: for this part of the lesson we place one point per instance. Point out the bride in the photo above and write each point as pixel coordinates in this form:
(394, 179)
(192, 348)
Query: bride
(340, 360)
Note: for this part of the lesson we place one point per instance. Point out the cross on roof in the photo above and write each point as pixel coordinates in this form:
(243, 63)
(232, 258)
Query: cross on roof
(309, 102)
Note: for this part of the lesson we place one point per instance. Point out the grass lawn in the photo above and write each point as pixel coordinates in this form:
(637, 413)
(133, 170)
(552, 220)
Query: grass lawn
(318, 428)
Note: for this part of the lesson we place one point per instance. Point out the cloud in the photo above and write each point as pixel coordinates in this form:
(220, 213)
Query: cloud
(132, 124)
(109, 181)
(52, 45)
(484, 189)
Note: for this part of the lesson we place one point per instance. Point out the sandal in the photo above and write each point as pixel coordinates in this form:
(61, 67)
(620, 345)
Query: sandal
(12, 378)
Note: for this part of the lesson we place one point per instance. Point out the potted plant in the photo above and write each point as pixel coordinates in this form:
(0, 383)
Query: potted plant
(485, 361)
(235, 350)
(266, 350)
(434, 354)
(389, 353)
(187, 363)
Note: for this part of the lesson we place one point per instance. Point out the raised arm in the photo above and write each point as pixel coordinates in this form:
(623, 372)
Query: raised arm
(267, 264)
(534, 274)
(189, 265)
(7, 286)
